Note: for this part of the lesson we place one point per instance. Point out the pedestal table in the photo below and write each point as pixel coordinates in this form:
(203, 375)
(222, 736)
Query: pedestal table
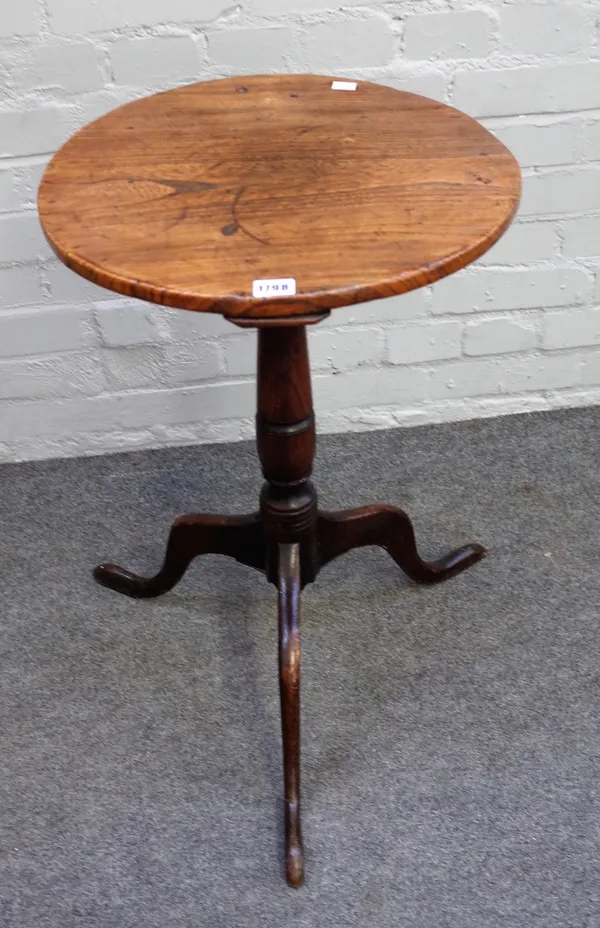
(274, 200)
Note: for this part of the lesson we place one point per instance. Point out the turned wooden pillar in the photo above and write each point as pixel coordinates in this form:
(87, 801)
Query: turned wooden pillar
(286, 440)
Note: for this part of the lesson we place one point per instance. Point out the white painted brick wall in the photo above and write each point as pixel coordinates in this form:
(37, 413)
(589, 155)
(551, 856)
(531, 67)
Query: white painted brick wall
(56, 375)
(365, 42)
(71, 67)
(19, 286)
(84, 371)
(500, 336)
(581, 237)
(486, 290)
(34, 131)
(546, 28)
(249, 51)
(166, 58)
(536, 145)
(591, 148)
(448, 35)
(573, 191)
(21, 239)
(8, 194)
(414, 344)
(346, 349)
(122, 324)
(573, 329)
(43, 330)
(553, 88)
(74, 18)
(524, 243)
(20, 19)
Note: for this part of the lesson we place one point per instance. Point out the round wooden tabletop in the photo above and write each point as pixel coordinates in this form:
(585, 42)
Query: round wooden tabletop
(193, 198)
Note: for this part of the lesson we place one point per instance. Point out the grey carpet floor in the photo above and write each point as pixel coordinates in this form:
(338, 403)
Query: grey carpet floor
(451, 735)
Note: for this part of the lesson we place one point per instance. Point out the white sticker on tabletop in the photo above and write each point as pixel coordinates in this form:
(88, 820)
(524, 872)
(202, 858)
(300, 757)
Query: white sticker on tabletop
(344, 85)
(285, 286)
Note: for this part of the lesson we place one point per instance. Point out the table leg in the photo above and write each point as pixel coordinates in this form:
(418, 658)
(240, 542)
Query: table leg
(389, 528)
(289, 688)
(240, 537)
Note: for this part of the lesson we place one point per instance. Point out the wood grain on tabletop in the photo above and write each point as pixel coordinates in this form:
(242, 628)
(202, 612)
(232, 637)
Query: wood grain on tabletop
(186, 197)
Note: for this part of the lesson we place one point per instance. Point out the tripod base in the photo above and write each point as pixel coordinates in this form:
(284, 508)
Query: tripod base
(289, 539)
(244, 539)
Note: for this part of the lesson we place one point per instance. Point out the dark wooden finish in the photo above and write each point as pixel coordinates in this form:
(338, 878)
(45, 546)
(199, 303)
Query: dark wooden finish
(184, 198)
(254, 322)
(187, 197)
(286, 440)
(284, 388)
(289, 584)
(289, 539)
(240, 537)
(286, 446)
(391, 529)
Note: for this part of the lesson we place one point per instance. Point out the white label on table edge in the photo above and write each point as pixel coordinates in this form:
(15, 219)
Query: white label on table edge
(344, 85)
(267, 289)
